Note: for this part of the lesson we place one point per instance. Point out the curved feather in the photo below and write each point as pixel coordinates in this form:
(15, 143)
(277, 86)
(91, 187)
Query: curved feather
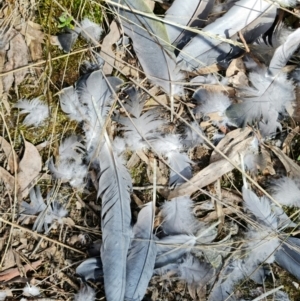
(171, 248)
(141, 256)
(114, 190)
(251, 17)
(151, 44)
(190, 13)
(260, 208)
(288, 256)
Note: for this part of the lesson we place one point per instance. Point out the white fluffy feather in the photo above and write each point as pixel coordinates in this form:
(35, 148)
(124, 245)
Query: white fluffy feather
(178, 217)
(31, 290)
(86, 293)
(286, 192)
(90, 31)
(37, 111)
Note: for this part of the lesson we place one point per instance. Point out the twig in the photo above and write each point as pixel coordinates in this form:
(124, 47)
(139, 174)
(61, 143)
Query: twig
(268, 293)
(41, 236)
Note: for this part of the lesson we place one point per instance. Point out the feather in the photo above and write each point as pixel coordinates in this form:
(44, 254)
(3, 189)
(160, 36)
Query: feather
(91, 268)
(86, 293)
(229, 276)
(281, 296)
(37, 111)
(114, 190)
(265, 96)
(54, 211)
(36, 205)
(90, 31)
(194, 272)
(70, 104)
(3, 294)
(171, 248)
(152, 46)
(211, 102)
(190, 13)
(95, 97)
(260, 208)
(286, 192)
(288, 256)
(191, 138)
(134, 104)
(143, 127)
(67, 39)
(181, 169)
(31, 290)
(141, 255)
(170, 146)
(178, 217)
(284, 52)
(71, 149)
(69, 171)
(252, 18)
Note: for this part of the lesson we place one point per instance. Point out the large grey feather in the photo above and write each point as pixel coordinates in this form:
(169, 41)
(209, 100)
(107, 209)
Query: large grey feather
(189, 13)
(151, 44)
(251, 17)
(141, 256)
(288, 256)
(114, 190)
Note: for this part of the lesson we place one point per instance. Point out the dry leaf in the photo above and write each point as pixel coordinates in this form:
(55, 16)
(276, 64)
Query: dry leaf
(17, 56)
(7, 178)
(14, 272)
(288, 140)
(29, 168)
(236, 65)
(10, 154)
(107, 52)
(32, 32)
(291, 167)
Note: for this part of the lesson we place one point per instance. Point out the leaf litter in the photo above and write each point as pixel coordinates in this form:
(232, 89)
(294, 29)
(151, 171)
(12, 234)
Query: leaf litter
(208, 133)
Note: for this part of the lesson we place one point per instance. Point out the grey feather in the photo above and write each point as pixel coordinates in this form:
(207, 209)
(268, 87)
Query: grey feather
(251, 17)
(37, 111)
(178, 217)
(90, 269)
(194, 272)
(288, 256)
(141, 256)
(260, 208)
(151, 45)
(189, 13)
(114, 190)
(171, 248)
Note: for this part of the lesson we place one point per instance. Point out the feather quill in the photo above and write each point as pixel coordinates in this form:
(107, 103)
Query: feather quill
(114, 190)
(141, 255)
(37, 111)
(251, 17)
(190, 13)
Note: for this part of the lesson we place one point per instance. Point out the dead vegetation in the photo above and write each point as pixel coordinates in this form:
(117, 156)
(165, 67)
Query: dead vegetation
(31, 66)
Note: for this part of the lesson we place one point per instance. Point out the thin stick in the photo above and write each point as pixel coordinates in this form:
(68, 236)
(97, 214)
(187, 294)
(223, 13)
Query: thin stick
(41, 236)
(268, 293)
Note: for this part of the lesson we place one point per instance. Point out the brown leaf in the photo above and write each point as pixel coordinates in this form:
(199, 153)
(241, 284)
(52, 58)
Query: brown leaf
(107, 52)
(14, 272)
(29, 168)
(291, 167)
(17, 56)
(236, 65)
(7, 178)
(9, 153)
(32, 32)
